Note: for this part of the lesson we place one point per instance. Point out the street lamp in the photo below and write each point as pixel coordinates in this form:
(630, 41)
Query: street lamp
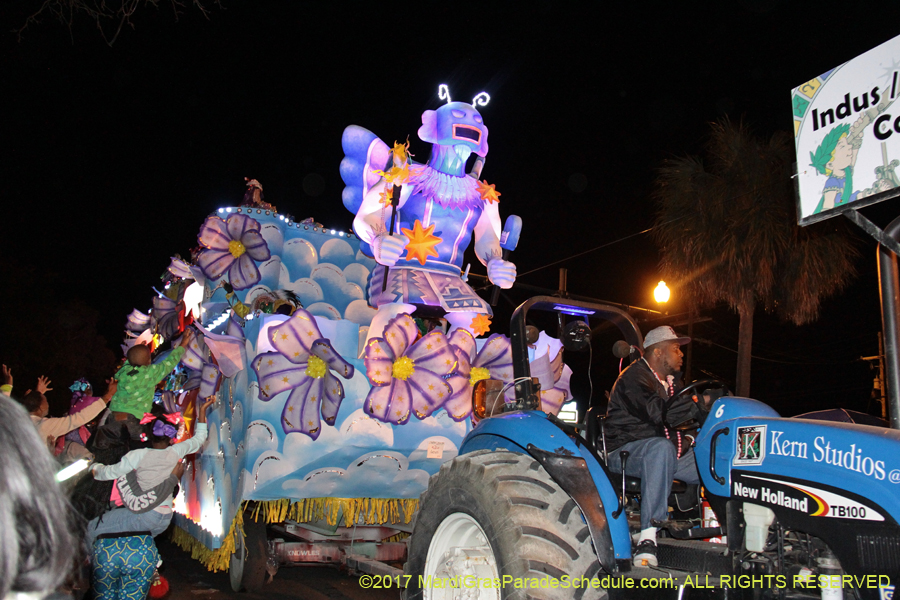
(661, 293)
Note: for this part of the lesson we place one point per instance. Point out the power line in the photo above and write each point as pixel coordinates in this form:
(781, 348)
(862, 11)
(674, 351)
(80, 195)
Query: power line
(784, 362)
(806, 348)
(591, 250)
(649, 229)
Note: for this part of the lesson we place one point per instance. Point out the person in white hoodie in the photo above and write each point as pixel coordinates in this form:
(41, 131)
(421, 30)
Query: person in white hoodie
(146, 480)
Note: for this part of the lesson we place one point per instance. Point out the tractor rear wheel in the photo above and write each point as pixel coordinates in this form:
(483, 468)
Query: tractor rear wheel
(496, 520)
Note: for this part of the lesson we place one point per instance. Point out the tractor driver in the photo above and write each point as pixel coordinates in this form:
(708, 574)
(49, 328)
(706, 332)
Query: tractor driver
(639, 421)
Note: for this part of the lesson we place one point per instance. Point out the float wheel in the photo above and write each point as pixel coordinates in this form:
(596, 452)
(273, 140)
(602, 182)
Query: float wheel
(247, 567)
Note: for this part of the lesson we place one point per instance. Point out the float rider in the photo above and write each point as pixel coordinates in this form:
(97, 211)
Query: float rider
(643, 412)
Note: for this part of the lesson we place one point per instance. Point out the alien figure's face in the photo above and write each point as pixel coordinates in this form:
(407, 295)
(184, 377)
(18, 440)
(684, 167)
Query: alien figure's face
(455, 124)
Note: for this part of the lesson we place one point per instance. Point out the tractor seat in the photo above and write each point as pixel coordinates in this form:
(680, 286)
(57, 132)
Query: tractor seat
(633, 484)
(597, 438)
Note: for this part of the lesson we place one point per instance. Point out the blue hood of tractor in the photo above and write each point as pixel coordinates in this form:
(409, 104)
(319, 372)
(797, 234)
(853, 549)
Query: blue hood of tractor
(826, 468)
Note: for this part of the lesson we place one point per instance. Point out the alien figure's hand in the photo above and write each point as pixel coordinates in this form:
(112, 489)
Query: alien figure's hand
(501, 272)
(388, 248)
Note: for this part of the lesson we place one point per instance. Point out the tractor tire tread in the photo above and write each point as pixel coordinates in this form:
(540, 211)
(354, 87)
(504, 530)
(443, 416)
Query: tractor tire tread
(534, 527)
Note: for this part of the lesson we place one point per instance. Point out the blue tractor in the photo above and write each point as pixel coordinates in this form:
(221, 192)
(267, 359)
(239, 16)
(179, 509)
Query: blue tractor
(529, 509)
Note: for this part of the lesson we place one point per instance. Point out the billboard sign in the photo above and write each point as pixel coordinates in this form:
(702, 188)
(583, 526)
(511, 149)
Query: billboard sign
(847, 135)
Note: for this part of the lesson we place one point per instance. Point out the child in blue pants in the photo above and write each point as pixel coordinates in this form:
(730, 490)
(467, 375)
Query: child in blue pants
(124, 564)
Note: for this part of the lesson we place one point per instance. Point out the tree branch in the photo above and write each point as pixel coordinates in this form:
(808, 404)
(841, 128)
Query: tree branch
(110, 17)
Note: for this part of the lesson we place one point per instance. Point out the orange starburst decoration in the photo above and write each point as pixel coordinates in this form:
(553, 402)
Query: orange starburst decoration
(488, 191)
(421, 242)
(481, 324)
(384, 198)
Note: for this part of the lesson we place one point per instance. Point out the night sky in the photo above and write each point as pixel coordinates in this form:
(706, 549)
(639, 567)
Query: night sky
(112, 157)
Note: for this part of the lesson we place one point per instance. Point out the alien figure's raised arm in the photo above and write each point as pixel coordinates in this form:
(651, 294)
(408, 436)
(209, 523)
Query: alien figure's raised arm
(487, 233)
(374, 216)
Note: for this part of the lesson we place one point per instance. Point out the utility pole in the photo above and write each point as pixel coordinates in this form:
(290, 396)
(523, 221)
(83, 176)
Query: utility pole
(889, 290)
(690, 354)
(878, 391)
(882, 398)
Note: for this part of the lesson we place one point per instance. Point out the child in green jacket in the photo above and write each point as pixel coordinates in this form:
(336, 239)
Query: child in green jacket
(138, 378)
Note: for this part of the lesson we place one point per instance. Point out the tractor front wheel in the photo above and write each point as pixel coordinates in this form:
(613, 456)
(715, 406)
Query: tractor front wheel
(495, 520)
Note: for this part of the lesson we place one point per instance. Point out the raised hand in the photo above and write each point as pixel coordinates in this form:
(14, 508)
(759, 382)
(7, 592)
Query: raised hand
(201, 413)
(187, 337)
(43, 385)
(111, 388)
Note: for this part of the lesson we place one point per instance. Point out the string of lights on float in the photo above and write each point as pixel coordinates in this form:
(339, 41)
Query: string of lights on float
(287, 219)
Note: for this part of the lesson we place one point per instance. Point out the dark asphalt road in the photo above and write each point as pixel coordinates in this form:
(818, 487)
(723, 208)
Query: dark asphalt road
(189, 580)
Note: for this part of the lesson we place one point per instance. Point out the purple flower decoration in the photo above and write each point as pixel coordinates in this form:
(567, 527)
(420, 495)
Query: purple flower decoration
(137, 321)
(197, 352)
(209, 380)
(195, 378)
(553, 399)
(234, 328)
(166, 316)
(132, 339)
(202, 372)
(494, 361)
(232, 246)
(169, 402)
(303, 364)
(407, 375)
(180, 269)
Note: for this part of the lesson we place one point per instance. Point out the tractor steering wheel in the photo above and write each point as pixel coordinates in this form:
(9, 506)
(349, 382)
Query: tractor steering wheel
(703, 384)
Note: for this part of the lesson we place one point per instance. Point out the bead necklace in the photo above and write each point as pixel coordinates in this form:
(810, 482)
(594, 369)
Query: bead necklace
(669, 385)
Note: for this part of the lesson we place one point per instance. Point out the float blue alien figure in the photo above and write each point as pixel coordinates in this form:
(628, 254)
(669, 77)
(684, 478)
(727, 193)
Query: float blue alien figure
(440, 209)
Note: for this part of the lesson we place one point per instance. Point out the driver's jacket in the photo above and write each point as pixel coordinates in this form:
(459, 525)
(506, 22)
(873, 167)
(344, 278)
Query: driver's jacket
(638, 407)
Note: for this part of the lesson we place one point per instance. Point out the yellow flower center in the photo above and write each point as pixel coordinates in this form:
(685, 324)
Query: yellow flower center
(236, 248)
(477, 374)
(316, 367)
(403, 368)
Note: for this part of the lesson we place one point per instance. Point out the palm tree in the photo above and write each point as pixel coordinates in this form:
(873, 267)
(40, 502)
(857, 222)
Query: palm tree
(727, 230)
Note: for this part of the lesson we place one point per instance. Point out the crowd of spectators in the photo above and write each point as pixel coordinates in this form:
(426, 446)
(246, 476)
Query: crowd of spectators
(114, 454)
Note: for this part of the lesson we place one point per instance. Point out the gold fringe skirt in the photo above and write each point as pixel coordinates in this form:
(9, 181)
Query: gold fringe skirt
(367, 511)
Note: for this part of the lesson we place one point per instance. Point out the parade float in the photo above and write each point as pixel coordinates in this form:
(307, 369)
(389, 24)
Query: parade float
(343, 363)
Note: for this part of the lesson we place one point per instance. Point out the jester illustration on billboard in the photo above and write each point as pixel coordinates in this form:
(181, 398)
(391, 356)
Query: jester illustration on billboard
(835, 158)
(847, 134)
(417, 220)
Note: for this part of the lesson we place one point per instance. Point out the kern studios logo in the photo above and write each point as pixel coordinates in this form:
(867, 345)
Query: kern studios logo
(751, 445)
